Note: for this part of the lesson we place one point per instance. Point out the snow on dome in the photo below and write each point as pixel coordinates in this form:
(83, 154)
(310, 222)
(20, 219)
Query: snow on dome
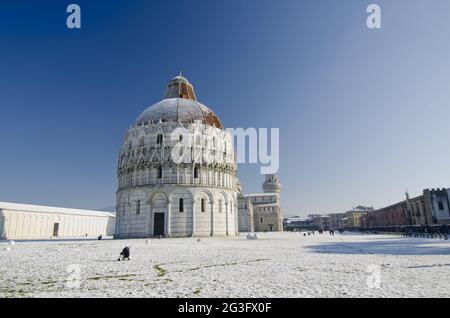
(180, 105)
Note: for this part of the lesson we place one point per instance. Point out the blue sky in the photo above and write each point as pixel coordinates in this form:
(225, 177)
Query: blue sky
(363, 114)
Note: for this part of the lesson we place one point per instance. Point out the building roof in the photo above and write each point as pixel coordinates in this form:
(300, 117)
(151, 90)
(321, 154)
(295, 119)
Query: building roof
(179, 105)
(260, 194)
(361, 208)
(292, 220)
(49, 209)
(358, 211)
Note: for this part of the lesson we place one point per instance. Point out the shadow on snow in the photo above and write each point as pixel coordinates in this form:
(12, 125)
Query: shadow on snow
(385, 246)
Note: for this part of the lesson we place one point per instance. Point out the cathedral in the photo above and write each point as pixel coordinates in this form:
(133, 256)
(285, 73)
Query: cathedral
(160, 196)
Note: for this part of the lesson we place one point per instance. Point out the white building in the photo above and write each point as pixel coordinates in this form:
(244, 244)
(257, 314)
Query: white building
(22, 221)
(160, 196)
(261, 212)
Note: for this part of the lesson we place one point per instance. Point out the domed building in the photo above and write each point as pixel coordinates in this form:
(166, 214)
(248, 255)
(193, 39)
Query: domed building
(177, 173)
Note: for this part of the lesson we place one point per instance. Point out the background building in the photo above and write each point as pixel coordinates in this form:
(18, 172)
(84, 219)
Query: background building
(322, 222)
(432, 207)
(417, 211)
(246, 215)
(337, 220)
(353, 217)
(261, 212)
(394, 215)
(438, 203)
(23, 221)
(297, 223)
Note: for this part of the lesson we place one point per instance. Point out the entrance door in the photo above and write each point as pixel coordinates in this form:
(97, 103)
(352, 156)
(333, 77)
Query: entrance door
(55, 229)
(158, 224)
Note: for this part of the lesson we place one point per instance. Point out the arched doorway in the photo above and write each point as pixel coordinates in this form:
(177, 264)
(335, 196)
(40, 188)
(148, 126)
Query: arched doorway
(159, 215)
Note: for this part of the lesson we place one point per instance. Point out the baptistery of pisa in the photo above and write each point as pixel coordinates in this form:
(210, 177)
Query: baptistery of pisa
(177, 173)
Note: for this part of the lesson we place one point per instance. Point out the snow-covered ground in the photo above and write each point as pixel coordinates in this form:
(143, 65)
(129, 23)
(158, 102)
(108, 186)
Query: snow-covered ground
(275, 265)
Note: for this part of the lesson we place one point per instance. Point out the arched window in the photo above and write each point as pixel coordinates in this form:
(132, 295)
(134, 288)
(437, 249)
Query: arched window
(138, 206)
(181, 205)
(159, 139)
(159, 172)
(202, 202)
(142, 142)
(180, 138)
(220, 206)
(196, 172)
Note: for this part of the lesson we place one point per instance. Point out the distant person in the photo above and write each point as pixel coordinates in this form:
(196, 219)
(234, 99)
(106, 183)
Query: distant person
(125, 254)
(100, 237)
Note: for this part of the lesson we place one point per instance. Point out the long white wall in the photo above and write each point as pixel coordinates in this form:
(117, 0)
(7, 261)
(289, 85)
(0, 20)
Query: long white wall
(29, 223)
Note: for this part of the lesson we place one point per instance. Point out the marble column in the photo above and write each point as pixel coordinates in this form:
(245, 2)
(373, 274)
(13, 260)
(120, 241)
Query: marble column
(149, 220)
(226, 218)
(212, 218)
(193, 217)
(168, 218)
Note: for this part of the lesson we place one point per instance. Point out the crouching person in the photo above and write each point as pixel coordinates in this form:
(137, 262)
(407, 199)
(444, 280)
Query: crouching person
(125, 254)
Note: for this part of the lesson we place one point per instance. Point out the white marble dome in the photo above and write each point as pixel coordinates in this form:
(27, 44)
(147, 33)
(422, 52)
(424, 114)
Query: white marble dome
(179, 110)
(179, 105)
(158, 196)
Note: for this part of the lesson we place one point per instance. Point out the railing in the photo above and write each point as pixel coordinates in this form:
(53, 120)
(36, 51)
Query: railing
(438, 231)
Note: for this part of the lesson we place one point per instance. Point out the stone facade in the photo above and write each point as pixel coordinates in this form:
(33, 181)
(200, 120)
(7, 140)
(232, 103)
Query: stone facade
(354, 217)
(438, 203)
(159, 195)
(246, 215)
(322, 222)
(262, 212)
(330, 221)
(418, 210)
(393, 215)
(337, 220)
(432, 207)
